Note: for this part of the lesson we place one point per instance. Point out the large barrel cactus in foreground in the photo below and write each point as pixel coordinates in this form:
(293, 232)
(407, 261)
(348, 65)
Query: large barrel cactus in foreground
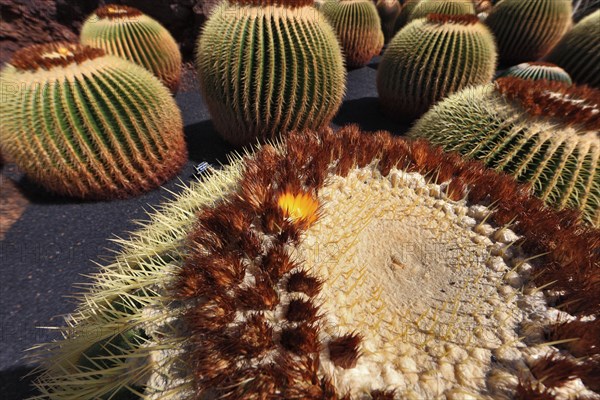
(544, 133)
(431, 58)
(527, 30)
(578, 52)
(358, 27)
(307, 271)
(89, 125)
(267, 67)
(126, 32)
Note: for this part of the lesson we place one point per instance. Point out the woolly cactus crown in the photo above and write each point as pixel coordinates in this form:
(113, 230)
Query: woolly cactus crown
(305, 271)
(545, 133)
(128, 33)
(431, 58)
(86, 124)
(268, 67)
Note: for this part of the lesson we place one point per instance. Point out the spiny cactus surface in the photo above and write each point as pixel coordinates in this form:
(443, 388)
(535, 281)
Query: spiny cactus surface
(448, 7)
(537, 70)
(269, 67)
(431, 58)
(128, 33)
(357, 25)
(89, 125)
(578, 52)
(544, 133)
(305, 271)
(527, 30)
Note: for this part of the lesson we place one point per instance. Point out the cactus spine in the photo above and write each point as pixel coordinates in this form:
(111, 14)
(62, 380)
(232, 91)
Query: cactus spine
(358, 28)
(527, 30)
(448, 7)
(545, 133)
(269, 67)
(86, 124)
(431, 58)
(128, 33)
(537, 70)
(388, 12)
(578, 52)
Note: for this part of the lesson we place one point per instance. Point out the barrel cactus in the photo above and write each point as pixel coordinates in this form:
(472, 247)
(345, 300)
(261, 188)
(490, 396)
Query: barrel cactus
(448, 7)
(267, 67)
(358, 28)
(537, 70)
(388, 12)
(86, 124)
(431, 58)
(527, 30)
(578, 52)
(541, 132)
(306, 271)
(126, 32)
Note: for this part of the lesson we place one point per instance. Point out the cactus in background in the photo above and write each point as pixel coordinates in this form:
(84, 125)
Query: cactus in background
(448, 7)
(358, 28)
(86, 124)
(544, 133)
(527, 30)
(388, 12)
(271, 277)
(578, 52)
(537, 70)
(402, 18)
(267, 67)
(431, 58)
(126, 32)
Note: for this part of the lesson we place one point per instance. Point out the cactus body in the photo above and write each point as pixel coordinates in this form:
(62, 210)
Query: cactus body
(265, 70)
(357, 25)
(126, 32)
(431, 58)
(388, 12)
(86, 124)
(527, 30)
(448, 7)
(538, 70)
(268, 280)
(578, 52)
(556, 149)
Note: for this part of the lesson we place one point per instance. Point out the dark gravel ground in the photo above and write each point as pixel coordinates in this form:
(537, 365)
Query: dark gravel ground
(58, 240)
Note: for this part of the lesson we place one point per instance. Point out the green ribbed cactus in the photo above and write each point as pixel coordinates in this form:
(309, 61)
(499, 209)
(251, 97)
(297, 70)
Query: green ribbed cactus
(578, 52)
(358, 28)
(86, 124)
(448, 7)
(268, 67)
(388, 12)
(545, 133)
(537, 70)
(127, 32)
(527, 30)
(431, 58)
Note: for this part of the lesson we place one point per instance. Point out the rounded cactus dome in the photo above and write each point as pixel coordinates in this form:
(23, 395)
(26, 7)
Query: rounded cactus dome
(307, 271)
(542, 132)
(87, 124)
(538, 70)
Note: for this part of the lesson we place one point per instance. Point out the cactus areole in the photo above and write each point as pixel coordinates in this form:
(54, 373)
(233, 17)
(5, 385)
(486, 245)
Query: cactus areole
(87, 124)
(269, 67)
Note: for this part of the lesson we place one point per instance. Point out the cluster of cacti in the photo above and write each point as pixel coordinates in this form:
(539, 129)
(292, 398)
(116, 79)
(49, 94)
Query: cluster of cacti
(269, 67)
(305, 271)
(388, 11)
(358, 28)
(527, 30)
(128, 33)
(537, 70)
(578, 52)
(86, 124)
(544, 133)
(447, 7)
(431, 58)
